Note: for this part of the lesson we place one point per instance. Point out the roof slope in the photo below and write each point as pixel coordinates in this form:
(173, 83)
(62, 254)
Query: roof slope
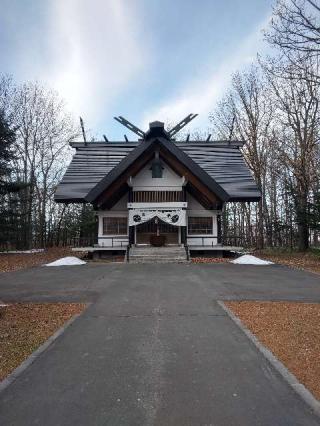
(150, 146)
(225, 164)
(90, 164)
(221, 161)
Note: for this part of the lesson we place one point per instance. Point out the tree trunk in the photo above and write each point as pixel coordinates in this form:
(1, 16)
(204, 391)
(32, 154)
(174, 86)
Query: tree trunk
(303, 228)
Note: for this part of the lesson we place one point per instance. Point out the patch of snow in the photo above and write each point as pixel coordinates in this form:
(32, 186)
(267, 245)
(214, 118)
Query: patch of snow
(247, 259)
(67, 261)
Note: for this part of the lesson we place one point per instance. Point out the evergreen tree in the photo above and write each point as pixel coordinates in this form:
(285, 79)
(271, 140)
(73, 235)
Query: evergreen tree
(9, 217)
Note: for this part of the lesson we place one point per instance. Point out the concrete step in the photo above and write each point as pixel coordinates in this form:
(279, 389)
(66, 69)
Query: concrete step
(178, 258)
(160, 253)
(157, 252)
(173, 254)
(169, 260)
(158, 248)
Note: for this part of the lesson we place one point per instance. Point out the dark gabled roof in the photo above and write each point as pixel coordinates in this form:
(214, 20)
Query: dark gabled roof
(225, 163)
(145, 146)
(220, 160)
(90, 163)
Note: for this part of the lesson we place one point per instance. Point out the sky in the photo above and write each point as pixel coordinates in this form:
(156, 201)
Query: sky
(146, 60)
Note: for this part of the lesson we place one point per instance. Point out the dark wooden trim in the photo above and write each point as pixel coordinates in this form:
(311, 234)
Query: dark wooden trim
(219, 228)
(110, 196)
(193, 181)
(119, 187)
(194, 169)
(208, 204)
(131, 235)
(139, 157)
(129, 166)
(184, 197)
(183, 234)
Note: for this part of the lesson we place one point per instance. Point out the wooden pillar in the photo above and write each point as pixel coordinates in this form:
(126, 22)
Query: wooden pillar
(131, 228)
(131, 235)
(183, 235)
(219, 233)
(184, 228)
(96, 229)
(184, 194)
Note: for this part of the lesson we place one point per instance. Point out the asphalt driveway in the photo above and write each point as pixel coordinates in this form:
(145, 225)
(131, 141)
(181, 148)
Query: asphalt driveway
(154, 348)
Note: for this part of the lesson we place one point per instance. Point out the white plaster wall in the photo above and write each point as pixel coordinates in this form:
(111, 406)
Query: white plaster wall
(144, 181)
(193, 204)
(118, 210)
(195, 209)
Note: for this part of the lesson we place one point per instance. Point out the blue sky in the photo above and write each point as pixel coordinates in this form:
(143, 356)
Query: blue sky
(143, 59)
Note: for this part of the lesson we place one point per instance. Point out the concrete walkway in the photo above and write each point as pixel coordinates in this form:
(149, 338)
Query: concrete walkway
(154, 348)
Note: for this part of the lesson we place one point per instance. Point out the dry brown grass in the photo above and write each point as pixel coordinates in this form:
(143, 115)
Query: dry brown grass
(14, 262)
(291, 331)
(210, 260)
(25, 326)
(309, 261)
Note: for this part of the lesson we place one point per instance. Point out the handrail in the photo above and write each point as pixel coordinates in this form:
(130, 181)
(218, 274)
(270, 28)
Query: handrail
(122, 241)
(223, 240)
(211, 237)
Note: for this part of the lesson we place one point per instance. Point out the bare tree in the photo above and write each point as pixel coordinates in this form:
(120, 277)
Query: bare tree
(296, 101)
(295, 32)
(44, 131)
(245, 113)
(295, 26)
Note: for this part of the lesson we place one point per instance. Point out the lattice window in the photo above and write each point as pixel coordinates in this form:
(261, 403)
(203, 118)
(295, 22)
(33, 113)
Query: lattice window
(200, 225)
(115, 226)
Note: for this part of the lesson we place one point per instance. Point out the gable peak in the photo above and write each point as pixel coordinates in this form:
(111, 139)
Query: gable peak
(156, 130)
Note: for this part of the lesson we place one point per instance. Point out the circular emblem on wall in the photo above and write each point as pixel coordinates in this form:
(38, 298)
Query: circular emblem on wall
(137, 218)
(175, 218)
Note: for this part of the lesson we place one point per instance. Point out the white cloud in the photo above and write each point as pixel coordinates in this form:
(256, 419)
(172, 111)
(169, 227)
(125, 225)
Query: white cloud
(200, 95)
(96, 51)
(93, 50)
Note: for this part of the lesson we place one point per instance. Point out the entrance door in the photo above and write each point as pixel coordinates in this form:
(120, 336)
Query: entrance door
(157, 227)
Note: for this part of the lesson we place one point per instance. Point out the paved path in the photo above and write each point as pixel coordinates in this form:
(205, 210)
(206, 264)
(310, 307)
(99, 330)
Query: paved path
(154, 348)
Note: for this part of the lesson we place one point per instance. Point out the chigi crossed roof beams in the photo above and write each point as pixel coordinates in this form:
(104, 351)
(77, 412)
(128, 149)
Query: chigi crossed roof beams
(219, 165)
(142, 134)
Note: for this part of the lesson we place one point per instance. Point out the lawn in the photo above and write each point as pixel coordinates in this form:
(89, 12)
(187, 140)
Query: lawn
(291, 331)
(25, 326)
